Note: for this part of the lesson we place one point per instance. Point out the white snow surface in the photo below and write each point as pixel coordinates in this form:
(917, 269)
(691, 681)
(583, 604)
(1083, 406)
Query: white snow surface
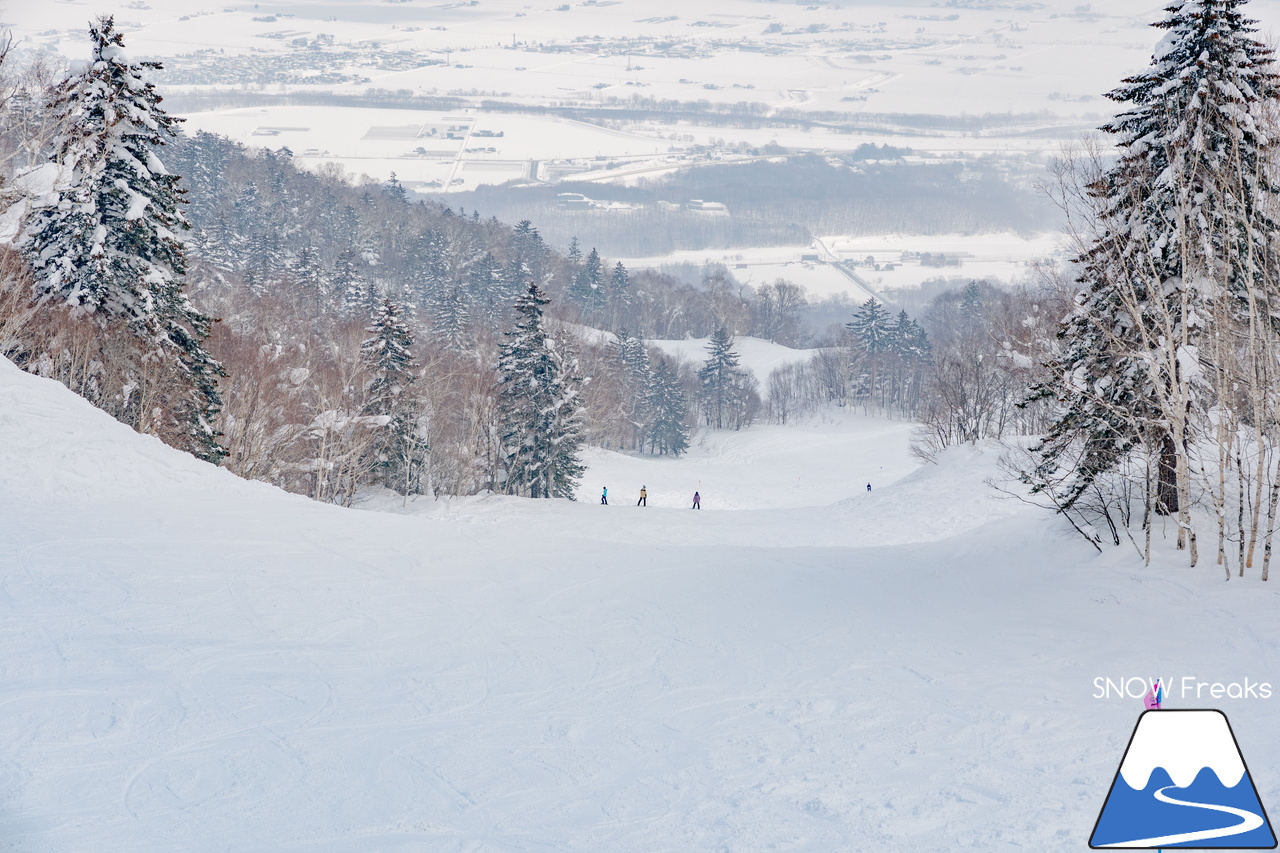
(1183, 744)
(193, 662)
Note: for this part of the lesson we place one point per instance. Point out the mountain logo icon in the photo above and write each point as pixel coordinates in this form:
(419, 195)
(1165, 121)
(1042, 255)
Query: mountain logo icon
(1182, 783)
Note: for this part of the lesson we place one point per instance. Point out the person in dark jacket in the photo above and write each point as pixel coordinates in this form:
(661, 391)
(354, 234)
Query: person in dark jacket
(644, 497)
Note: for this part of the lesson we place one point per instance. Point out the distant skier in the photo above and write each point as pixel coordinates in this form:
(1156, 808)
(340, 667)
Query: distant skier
(1154, 696)
(604, 496)
(697, 501)
(644, 497)
(868, 487)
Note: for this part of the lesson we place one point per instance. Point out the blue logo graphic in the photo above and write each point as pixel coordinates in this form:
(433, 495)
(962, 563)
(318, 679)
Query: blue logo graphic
(1183, 783)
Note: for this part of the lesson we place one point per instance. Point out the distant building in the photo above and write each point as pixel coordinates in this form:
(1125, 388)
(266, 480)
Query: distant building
(573, 201)
(705, 206)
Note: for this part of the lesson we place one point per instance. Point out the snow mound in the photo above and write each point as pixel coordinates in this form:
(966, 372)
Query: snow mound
(58, 445)
(940, 499)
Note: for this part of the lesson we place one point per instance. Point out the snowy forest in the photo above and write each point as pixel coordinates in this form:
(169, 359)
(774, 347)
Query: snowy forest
(330, 336)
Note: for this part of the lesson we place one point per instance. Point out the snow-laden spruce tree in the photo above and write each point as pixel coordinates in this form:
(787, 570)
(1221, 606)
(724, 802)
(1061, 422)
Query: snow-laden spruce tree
(487, 291)
(589, 286)
(667, 430)
(907, 340)
(618, 293)
(872, 328)
(358, 295)
(106, 244)
(539, 411)
(909, 350)
(1176, 239)
(451, 321)
(387, 355)
(871, 341)
(728, 393)
(630, 359)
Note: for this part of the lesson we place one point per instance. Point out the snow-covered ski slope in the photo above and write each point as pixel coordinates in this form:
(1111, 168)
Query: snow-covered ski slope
(192, 662)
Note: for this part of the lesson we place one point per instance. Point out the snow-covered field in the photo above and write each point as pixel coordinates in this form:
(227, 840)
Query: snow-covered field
(914, 56)
(454, 149)
(193, 662)
(1049, 63)
(1003, 258)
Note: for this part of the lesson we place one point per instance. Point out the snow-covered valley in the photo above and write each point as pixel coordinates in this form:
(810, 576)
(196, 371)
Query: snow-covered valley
(195, 662)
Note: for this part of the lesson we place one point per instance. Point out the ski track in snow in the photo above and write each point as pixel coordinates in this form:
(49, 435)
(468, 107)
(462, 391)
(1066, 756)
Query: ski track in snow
(192, 662)
(1248, 822)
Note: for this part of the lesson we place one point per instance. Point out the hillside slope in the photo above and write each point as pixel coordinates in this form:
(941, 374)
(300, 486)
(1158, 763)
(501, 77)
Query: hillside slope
(191, 662)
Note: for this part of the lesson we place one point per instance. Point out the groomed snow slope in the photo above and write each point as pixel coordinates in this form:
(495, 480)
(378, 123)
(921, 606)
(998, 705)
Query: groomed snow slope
(191, 662)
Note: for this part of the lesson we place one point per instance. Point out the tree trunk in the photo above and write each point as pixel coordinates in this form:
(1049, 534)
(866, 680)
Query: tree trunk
(1167, 481)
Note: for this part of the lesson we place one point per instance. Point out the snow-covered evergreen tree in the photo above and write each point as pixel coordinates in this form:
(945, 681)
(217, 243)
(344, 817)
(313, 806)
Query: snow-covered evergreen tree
(538, 406)
(727, 394)
(528, 251)
(908, 340)
(395, 190)
(588, 287)
(311, 275)
(667, 430)
(873, 341)
(429, 265)
(265, 258)
(388, 359)
(1180, 227)
(451, 320)
(971, 306)
(618, 292)
(872, 328)
(512, 282)
(357, 293)
(107, 243)
(486, 291)
(387, 355)
(632, 357)
(111, 232)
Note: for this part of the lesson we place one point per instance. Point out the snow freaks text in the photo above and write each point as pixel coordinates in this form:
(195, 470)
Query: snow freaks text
(1187, 687)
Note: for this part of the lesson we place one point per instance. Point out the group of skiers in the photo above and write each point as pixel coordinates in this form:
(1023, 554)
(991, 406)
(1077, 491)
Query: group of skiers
(644, 498)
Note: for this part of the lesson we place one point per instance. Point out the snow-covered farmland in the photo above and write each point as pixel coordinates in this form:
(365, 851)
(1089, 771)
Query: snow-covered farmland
(1048, 63)
(1005, 258)
(998, 257)
(195, 662)
(452, 149)
(879, 56)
